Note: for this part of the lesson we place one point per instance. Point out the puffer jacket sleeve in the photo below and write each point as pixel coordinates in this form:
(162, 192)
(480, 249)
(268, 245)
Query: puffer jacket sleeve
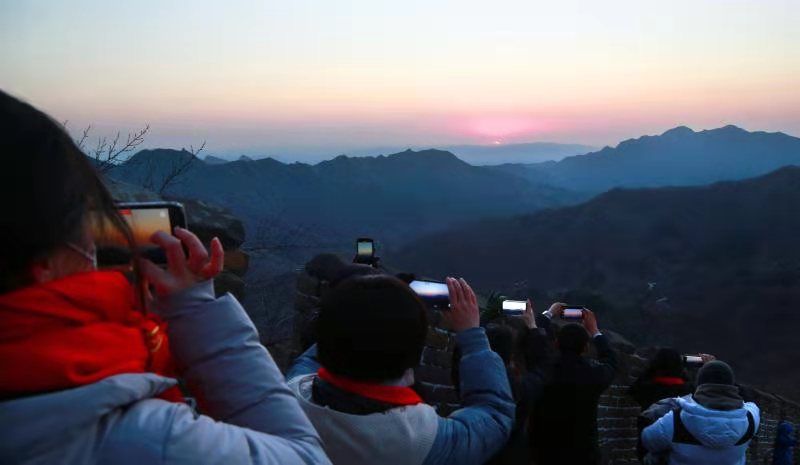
(236, 382)
(474, 433)
(658, 436)
(659, 409)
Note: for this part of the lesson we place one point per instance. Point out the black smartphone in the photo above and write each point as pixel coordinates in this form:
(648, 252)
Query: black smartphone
(573, 313)
(434, 293)
(365, 249)
(514, 307)
(144, 219)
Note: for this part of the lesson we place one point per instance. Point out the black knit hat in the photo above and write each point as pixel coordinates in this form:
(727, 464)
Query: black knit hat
(371, 328)
(716, 372)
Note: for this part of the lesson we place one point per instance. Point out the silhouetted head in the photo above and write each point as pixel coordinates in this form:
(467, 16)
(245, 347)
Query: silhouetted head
(715, 372)
(49, 188)
(371, 328)
(572, 339)
(666, 362)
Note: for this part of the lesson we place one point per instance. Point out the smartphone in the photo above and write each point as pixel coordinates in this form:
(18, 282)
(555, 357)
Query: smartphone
(144, 219)
(514, 307)
(434, 293)
(572, 313)
(365, 248)
(692, 360)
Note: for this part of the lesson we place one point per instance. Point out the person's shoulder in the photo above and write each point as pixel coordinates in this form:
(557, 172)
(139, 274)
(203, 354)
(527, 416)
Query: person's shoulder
(752, 408)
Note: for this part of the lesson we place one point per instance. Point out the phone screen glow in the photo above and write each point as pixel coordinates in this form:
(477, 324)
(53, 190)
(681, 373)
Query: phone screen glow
(364, 249)
(430, 289)
(573, 313)
(144, 222)
(514, 305)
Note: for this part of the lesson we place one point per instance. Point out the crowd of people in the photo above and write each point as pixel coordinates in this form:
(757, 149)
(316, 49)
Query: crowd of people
(97, 366)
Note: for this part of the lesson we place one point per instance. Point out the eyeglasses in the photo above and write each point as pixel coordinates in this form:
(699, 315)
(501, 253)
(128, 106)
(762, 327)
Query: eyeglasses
(91, 256)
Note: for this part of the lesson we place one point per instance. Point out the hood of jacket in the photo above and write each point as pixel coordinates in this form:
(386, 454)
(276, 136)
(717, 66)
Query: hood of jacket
(716, 429)
(44, 425)
(401, 435)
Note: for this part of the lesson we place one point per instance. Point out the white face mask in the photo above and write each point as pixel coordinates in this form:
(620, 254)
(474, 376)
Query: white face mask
(88, 255)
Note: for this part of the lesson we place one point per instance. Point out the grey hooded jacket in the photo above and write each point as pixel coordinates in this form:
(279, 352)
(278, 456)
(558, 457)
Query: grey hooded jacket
(253, 418)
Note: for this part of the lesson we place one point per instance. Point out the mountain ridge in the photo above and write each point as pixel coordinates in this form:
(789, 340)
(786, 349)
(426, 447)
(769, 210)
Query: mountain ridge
(678, 156)
(711, 268)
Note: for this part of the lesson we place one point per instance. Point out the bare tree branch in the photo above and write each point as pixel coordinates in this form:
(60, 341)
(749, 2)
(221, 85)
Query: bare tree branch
(180, 167)
(109, 153)
(83, 138)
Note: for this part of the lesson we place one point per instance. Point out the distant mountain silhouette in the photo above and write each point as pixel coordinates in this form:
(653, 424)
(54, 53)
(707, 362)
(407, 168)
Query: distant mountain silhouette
(713, 268)
(678, 157)
(494, 154)
(394, 197)
(212, 160)
(531, 152)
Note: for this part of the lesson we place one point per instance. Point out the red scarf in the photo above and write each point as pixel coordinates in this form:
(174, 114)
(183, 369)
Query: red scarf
(669, 380)
(75, 331)
(395, 395)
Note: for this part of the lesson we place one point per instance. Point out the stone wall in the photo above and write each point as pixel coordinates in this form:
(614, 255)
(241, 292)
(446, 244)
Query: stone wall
(434, 375)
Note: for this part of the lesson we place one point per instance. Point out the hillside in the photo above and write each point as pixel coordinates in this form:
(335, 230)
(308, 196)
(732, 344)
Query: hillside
(713, 268)
(393, 196)
(678, 157)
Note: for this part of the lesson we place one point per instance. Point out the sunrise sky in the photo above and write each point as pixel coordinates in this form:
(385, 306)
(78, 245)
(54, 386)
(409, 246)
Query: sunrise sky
(297, 79)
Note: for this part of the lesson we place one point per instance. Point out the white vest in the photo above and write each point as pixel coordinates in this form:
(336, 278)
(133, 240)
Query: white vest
(402, 435)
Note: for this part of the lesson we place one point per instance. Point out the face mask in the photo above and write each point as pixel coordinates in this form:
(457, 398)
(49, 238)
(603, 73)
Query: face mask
(88, 255)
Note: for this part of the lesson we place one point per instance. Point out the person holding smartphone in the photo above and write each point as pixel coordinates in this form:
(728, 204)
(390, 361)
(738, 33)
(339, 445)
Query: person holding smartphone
(356, 383)
(527, 351)
(714, 424)
(89, 364)
(564, 423)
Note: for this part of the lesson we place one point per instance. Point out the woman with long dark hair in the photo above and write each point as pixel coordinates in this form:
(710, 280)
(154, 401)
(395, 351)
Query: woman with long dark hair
(663, 380)
(664, 377)
(88, 372)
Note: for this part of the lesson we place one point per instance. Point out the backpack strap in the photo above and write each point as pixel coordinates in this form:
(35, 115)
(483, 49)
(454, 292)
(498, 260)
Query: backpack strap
(682, 435)
(751, 430)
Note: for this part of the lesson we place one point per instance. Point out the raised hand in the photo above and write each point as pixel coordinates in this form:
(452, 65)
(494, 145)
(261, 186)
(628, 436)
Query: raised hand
(557, 309)
(590, 322)
(182, 272)
(528, 316)
(707, 358)
(464, 312)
